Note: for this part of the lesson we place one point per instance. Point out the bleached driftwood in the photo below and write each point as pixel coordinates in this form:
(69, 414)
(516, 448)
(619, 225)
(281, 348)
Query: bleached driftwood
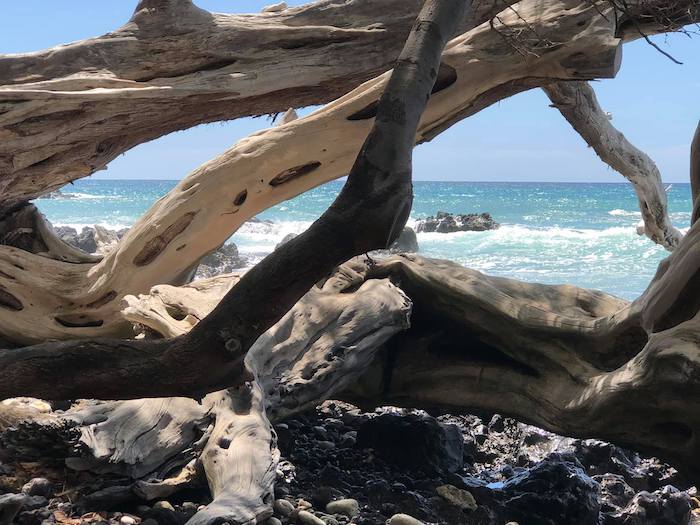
(67, 111)
(317, 350)
(568, 40)
(54, 103)
(577, 102)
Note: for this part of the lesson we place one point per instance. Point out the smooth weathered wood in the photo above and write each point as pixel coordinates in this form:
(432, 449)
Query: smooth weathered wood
(202, 211)
(67, 111)
(577, 102)
(368, 214)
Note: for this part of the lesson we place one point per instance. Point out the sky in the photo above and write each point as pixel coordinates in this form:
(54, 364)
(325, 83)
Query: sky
(654, 102)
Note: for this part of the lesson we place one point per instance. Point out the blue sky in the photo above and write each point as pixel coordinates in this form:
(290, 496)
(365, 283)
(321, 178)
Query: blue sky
(654, 103)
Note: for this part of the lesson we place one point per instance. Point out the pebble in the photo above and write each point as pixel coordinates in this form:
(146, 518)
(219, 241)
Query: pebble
(273, 521)
(127, 520)
(325, 445)
(403, 519)
(457, 497)
(305, 516)
(282, 507)
(303, 504)
(348, 507)
(164, 505)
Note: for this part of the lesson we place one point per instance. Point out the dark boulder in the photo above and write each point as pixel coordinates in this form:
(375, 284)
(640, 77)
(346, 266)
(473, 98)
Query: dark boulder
(448, 223)
(413, 441)
(407, 242)
(555, 491)
(667, 506)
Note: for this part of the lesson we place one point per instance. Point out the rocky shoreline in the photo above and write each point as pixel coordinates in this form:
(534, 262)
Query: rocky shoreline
(342, 466)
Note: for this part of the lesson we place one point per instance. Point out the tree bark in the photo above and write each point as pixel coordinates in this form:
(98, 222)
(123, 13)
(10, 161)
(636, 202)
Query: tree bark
(577, 102)
(478, 68)
(145, 83)
(369, 213)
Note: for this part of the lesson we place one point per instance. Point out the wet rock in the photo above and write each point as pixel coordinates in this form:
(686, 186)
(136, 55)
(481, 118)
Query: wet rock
(90, 239)
(448, 223)
(458, 497)
(407, 242)
(414, 441)
(348, 507)
(557, 490)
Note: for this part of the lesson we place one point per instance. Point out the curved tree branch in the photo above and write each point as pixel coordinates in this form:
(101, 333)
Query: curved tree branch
(478, 68)
(369, 213)
(577, 102)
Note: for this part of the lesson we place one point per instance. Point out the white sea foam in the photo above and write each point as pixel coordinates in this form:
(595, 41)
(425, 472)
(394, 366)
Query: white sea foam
(625, 213)
(528, 235)
(78, 226)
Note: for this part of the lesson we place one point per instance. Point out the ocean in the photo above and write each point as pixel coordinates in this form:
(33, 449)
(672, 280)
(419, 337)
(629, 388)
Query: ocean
(577, 233)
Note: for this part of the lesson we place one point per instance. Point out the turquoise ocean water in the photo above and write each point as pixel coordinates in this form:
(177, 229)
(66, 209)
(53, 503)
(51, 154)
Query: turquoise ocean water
(576, 233)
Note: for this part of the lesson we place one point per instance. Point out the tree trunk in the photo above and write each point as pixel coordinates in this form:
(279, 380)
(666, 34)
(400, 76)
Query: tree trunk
(478, 68)
(578, 104)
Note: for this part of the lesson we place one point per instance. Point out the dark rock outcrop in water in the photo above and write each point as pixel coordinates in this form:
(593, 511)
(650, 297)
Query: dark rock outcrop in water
(448, 223)
(224, 259)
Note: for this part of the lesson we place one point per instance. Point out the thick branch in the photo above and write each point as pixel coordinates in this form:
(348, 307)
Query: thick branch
(146, 83)
(578, 104)
(478, 68)
(368, 214)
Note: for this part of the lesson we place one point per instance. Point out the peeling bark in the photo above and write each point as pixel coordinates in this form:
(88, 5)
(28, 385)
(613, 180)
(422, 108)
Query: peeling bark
(577, 102)
(230, 189)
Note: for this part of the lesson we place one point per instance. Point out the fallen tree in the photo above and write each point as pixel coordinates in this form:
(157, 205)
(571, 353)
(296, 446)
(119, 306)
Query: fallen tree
(147, 84)
(478, 68)
(571, 360)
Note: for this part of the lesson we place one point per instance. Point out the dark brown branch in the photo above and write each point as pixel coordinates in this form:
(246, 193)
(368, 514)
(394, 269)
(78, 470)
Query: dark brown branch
(368, 214)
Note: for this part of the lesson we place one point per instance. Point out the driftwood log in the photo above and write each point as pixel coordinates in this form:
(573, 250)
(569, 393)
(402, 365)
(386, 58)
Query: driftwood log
(578, 104)
(274, 342)
(478, 68)
(146, 83)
